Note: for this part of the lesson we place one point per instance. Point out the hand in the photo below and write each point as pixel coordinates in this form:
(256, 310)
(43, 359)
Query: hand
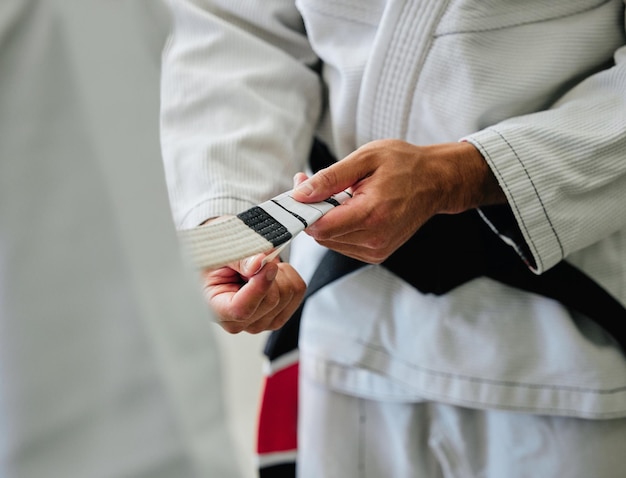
(247, 296)
(396, 187)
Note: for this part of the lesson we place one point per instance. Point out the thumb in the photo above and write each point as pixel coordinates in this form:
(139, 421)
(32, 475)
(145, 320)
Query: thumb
(328, 181)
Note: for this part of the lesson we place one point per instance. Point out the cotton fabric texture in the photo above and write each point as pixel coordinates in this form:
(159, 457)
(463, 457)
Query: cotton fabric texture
(538, 87)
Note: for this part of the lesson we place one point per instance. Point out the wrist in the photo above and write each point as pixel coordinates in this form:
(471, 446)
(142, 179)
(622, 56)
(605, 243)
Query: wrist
(471, 182)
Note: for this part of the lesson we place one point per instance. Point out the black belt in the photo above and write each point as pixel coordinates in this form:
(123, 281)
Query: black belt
(450, 250)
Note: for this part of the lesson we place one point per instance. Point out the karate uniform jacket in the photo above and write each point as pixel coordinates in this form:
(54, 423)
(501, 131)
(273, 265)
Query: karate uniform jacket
(538, 87)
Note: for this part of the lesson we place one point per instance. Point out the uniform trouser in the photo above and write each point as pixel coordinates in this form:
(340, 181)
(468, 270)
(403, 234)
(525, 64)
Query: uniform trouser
(343, 436)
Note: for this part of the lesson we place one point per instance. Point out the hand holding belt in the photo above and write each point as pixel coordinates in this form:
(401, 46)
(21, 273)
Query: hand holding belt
(262, 228)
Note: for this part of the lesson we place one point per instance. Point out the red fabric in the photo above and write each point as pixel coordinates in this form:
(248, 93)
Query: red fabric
(278, 416)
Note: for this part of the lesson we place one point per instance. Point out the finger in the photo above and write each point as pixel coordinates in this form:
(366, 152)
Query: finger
(333, 179)
(280, 303)
(274, 255)
(249, 266)
(241, 305)
(355, 215)
(291, 289)
(273, 320)
(252, 265)
(363, 254)
(259, 322)
(279, 320)
(299, 178)
(220, 283)
(358, 238)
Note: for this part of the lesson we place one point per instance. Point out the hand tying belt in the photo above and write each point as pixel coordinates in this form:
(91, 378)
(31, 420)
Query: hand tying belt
(452, 249)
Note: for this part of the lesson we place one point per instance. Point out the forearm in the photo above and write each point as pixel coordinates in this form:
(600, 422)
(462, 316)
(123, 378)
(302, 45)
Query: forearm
(239, 107)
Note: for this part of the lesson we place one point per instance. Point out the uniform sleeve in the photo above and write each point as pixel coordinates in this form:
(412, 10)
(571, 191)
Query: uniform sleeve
(563, 169)
(240, 100)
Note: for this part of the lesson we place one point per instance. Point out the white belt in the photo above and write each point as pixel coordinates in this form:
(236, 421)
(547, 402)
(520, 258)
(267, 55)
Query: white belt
(263, 228)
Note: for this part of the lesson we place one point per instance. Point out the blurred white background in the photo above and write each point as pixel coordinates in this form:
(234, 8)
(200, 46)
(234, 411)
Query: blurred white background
(242, 372)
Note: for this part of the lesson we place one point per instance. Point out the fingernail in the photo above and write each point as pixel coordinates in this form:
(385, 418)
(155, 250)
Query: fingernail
(246, 264)
(304, 188)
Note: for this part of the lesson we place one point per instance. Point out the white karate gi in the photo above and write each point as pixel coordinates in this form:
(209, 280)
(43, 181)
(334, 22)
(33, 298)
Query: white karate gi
(538, 87)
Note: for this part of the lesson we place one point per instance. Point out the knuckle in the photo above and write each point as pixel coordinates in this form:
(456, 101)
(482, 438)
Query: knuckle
(376, 243)
(277, 324)
(240, 314)
(376, 259)
(373, 257)
(256, 328)
(327, 178)
(232, 327)
(300, 290)
(380, 258)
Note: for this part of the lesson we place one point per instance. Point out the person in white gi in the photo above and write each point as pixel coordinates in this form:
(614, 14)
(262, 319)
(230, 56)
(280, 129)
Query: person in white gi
(108, 363)
(435, 107)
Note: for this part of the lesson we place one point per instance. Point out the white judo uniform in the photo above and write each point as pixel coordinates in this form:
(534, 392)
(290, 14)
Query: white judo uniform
(538, 87)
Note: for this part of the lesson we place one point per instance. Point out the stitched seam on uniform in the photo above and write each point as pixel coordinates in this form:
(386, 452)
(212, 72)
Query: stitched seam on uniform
(396, 102)
(520, 24)
(532, 409)
(389, 69)
(504, 383)
(385, 107)
(379, 87)
(514, 204)
(505, 186)
(549, 410)
(417, 75)
(534, 189)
